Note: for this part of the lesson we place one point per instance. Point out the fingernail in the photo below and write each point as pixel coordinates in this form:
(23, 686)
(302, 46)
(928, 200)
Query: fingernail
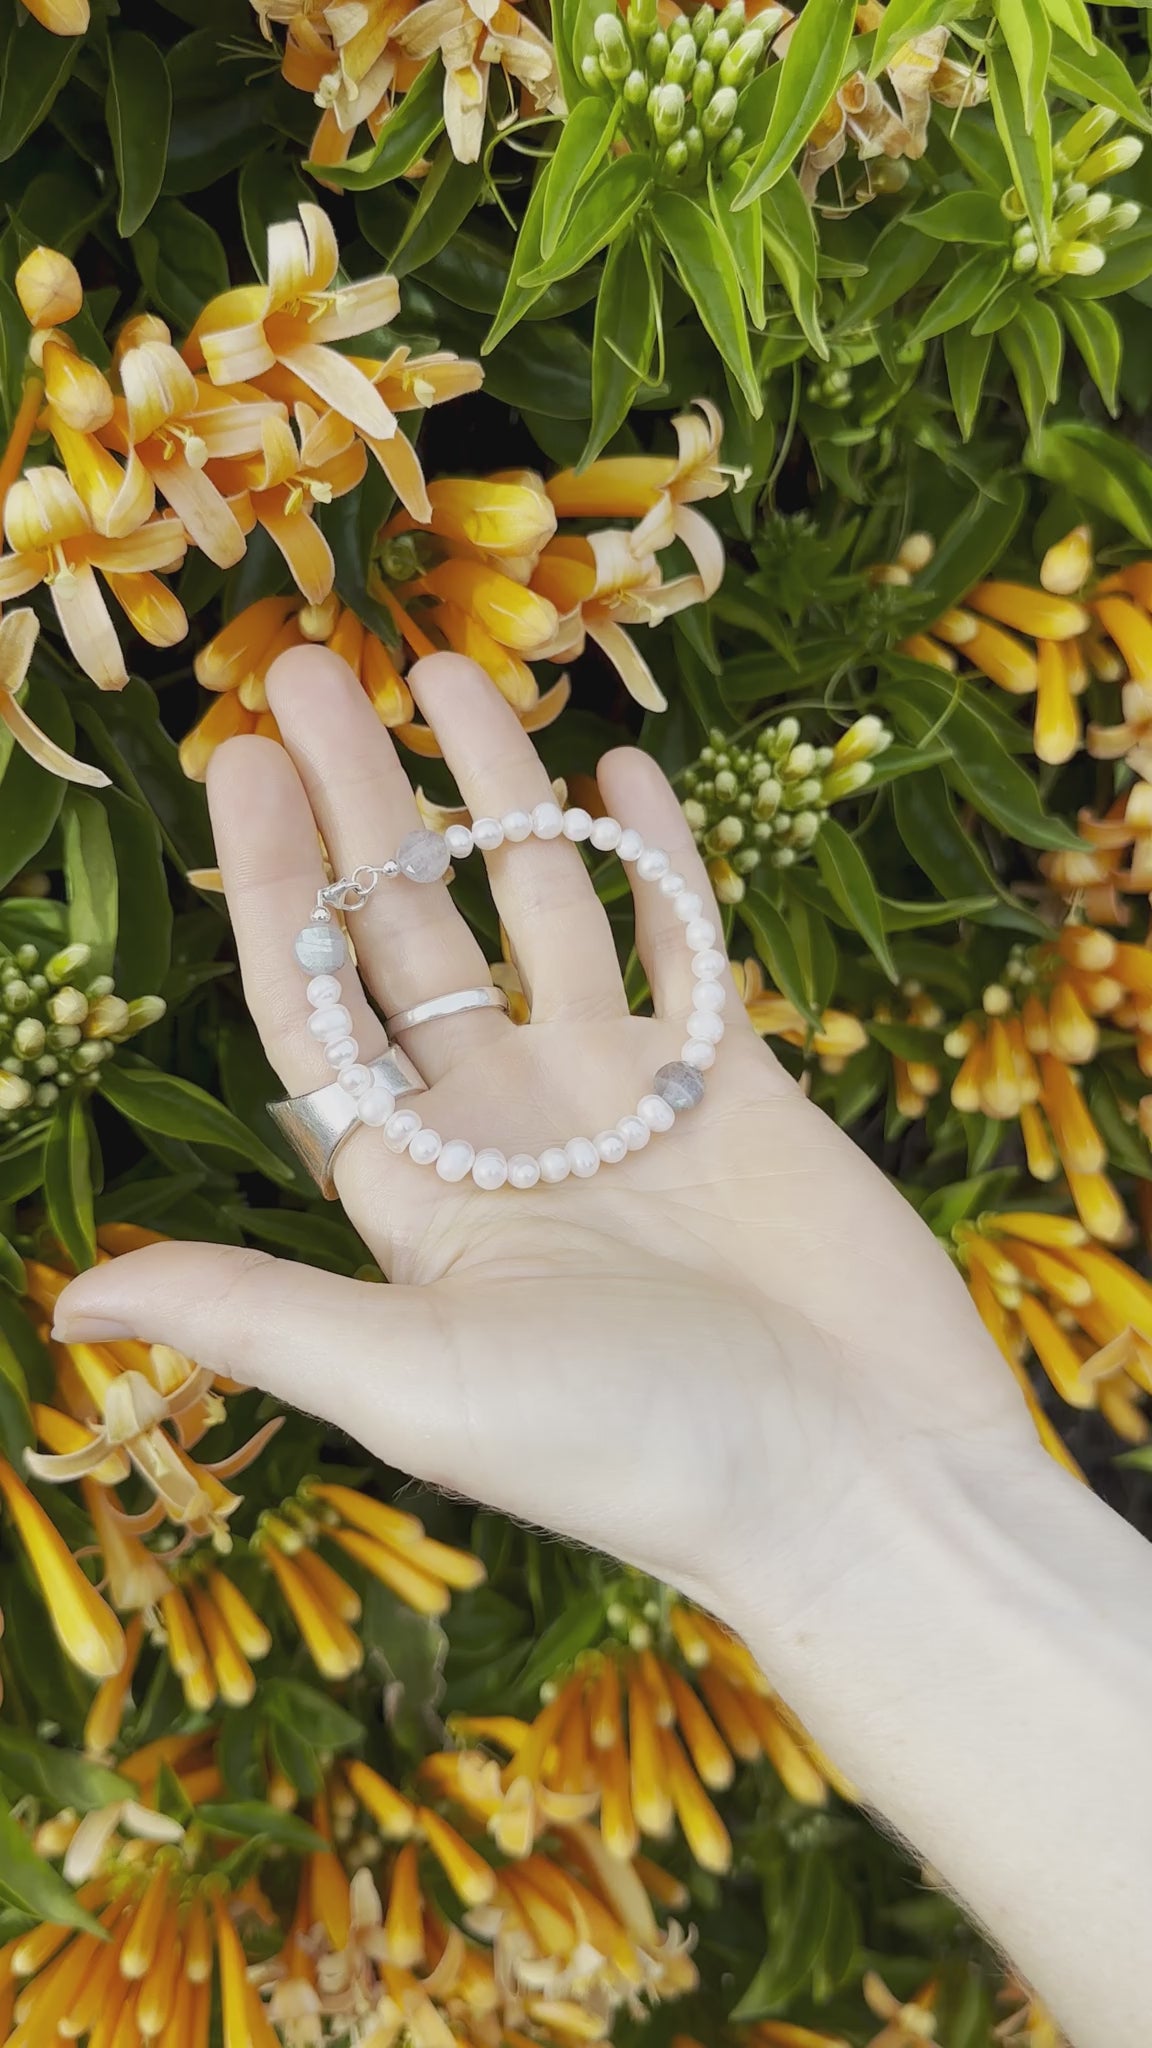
(82, 1329)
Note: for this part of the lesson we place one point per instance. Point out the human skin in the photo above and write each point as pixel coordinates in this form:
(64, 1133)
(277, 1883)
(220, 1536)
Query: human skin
(738, 1360)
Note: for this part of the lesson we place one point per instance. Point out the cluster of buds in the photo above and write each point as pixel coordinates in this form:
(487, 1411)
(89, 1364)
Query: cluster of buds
(1087, 218)
(679, 83)
(56, 1034)
(766, 802)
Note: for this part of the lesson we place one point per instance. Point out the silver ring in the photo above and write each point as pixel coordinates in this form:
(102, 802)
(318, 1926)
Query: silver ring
(317, 1124)
(453, 1005)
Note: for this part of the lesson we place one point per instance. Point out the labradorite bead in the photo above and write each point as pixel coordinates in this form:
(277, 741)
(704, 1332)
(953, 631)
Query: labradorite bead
(423, 856)
(320, 948)
(680, 1085)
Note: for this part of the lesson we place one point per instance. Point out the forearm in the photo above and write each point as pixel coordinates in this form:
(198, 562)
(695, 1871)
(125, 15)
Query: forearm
(980, 1664)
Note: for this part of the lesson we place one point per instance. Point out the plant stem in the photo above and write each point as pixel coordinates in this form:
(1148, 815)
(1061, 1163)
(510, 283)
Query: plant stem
(23, 426)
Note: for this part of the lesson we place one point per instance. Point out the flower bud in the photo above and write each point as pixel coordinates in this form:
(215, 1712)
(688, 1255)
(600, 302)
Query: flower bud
(703, 22)
(145, 1010)
(676, 157)
(100, 985)
(317, 621)
(667, 112)
(613, 45)
(681, 62)
(49, 289)
(1068, 563)
(719, 114)
(1077, 259)
(28, 1038)
(730, 148)
(63, 965)
(643, 20)
(1109, 162)
(1071, 195)
(845, 782)
(107, 1018)
(590, 71)
(1011, 204)
(1124, 215)
(635, 89)
(45, 1094)
(1083, 136)
(866, 737)
(737, 67)
(703, 80)
(695, 815)
(768, 799)
(1026, 257)
(68, 1007)
(693, 141)
(15, 1093)
(915, 552)
(805, 826)
(725, 835)
(732, 20)
(726, 883)
(657, 56)
(1078, 220)
(17, 998)
(90, 1055)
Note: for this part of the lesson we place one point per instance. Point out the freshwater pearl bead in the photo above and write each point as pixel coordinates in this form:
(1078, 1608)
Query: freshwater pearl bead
(340, 1052)
(523, 1170)
(425, 1146)
(577, 823)
(322, 990)
(630, 845)
(356, 1078)
(459, 841)
(634, 1131)
(696, 1052)
(605, 834)
(555, 1165)
(656, 1113)
(583, 1158)
(517, 826)
(612, 1146)
(671, 884)
(334, 1021)
(400, 1129)
(688, 905)
(652, 863)
(710, 995)
(487, 834)
(490, 1168)
(547, 820)
(376, 1106)
(708, 965)
(707, 1025)
(455, 1161)
(699, 935)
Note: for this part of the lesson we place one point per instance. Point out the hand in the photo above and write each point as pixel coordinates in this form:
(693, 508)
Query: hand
(702, 1356)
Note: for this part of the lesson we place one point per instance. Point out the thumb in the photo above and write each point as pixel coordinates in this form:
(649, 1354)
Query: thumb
(380, 1363)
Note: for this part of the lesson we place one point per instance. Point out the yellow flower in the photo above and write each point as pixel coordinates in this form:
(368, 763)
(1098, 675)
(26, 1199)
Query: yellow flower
(48, 287)
(287, 481)
(908, 2025)
(85, 1627)
(472, 36)
(1029, 2024)
(838, 1036)
(18, 631)
(659, 491)
(60, 17)
(53, 541)
(598, 584)
(919, 74)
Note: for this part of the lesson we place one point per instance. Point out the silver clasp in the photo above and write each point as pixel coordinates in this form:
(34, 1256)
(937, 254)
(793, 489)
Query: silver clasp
(352, 891)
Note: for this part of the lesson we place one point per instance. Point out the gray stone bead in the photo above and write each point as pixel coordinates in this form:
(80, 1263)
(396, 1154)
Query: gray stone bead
(320, 948)
(423, 856)
(680, 1085)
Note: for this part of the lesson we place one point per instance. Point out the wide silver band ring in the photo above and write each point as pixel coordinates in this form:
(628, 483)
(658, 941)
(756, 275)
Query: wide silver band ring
(453, 1005)
(317, 1124)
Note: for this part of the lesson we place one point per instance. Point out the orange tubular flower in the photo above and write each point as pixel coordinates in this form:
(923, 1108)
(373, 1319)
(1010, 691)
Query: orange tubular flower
(839, 1034)
(287, 481)
(659, 491)
(472, 36)
(18, 634)
(60, 17)
(54, 541)
(598, 585)
(85, 1627)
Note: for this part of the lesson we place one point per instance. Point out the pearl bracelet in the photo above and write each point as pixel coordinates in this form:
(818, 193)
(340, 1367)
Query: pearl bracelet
(424, 856)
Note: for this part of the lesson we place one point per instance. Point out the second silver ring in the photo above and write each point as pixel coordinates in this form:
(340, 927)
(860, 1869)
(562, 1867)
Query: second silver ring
(452, 1005)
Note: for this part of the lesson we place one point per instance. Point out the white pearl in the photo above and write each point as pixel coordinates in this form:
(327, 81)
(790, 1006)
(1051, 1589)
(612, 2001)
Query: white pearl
(656, 1113)
(323, 989)
(425, 1146)
(523, 1170)
(577, 823)
(459, 841)
(671, 884)
(583, 1157)
(376, 1106)
(547, 820)
(455, 1161)
(554, 1164)
(710, 995)
(400, 1130)
(332, 1022)
(688, 905)
(356, 1078)
(612, 1146)
(487, 834)
(634, 1132)
(631, 844)
(709, 965)
(490, 1168)
(707, 1025)
(696, 1052)
(340, 1052)
(605, 834)
(517, 826)
(699, 935)
(653, 863)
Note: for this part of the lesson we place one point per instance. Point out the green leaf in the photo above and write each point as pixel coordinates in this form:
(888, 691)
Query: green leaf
(1027, 140)
(904, 19)
(1099, 343)
(789, 237)
(1128, 1149)
(602, 211)
(311, 1714)
(1100, 469)
(144, 927)
(176, 1108)
(627, 310)
(744, 234)
(181, 261)
(518, 296)
(849, 880)
(58, 1775)
(36, 65)
(963, 217)
(270, 190)
(1100, 76)
(406, 136)
(30, 1883)
(966, 358)
(251, 1818)
(575, 1629)
(776, 948)
(30, 798)
(969, 548)
(813, 67)
(925, 702)
(896, 264)
(221, 112)
(1034, 345)
(1071, 17)
(90, 878)
(583, 144)
(68, 1180)
(956, 303)
(1129, 263)
(11, 1266)
(1028, 34)
(138, 110)
(447, 196)
(796, 1935)
(708, 275)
